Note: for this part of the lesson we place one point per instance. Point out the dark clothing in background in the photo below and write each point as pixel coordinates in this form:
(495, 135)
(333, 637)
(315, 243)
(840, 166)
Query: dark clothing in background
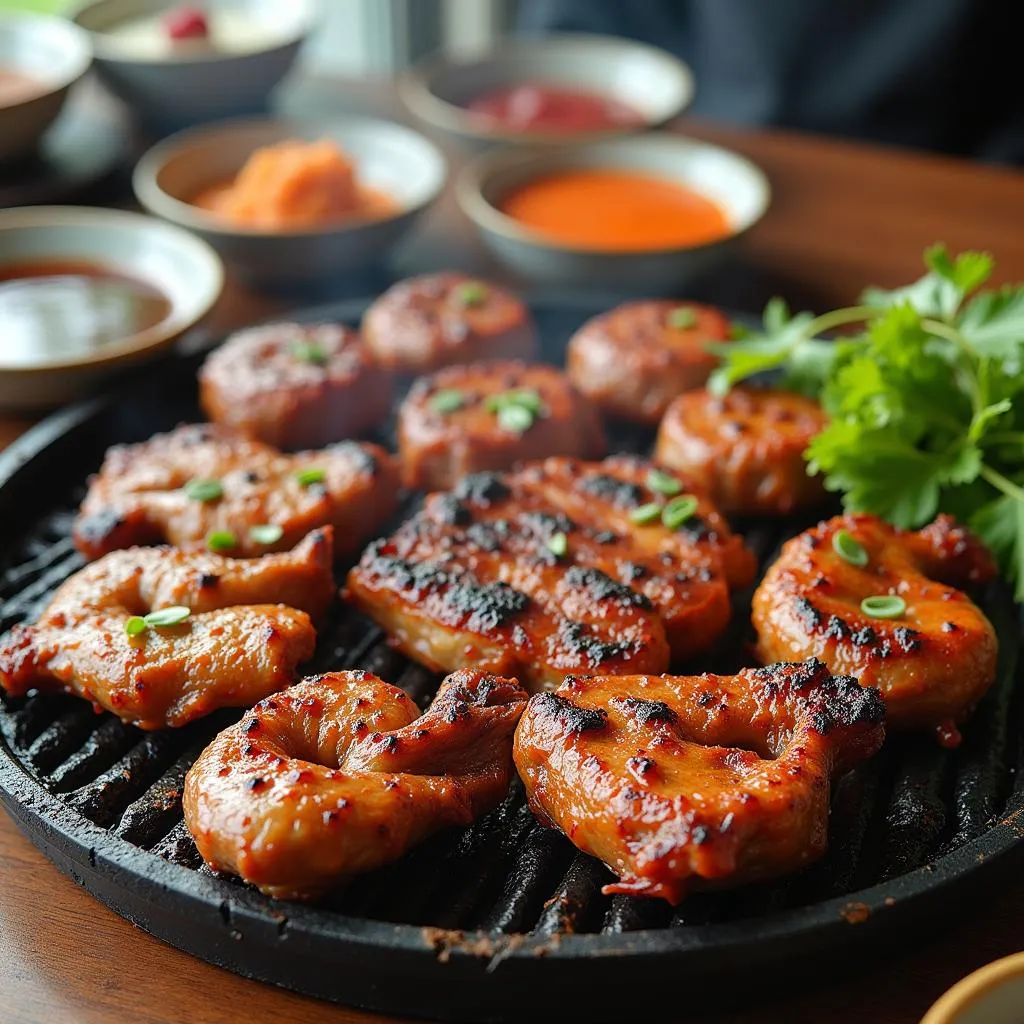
(940, 74)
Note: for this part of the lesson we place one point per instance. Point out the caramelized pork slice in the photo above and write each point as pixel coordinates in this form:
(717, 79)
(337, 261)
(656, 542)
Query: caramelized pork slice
(488, 416)
(678, 782)
(745, 449)
(341, 774)
(206, 486)
(237, 631)
(867, 600)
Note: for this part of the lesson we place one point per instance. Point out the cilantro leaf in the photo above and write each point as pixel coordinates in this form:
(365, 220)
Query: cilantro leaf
(1000, 524)
(993, 323)
(968, 271)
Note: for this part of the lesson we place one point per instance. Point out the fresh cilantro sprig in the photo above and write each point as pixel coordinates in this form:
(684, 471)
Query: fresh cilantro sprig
(925, 404)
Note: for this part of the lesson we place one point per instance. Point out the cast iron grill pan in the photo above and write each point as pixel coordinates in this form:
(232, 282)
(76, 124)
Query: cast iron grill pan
(505, 918)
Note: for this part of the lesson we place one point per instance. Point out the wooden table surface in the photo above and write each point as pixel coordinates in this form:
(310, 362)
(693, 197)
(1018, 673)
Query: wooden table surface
(843, 215)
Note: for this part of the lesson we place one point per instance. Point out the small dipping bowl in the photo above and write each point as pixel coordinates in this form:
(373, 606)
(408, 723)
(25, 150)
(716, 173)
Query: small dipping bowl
(656, 84)
(182, 268)
(732, 182)
(992, 995)
(53, 52)
(388, 157)
(170, 91)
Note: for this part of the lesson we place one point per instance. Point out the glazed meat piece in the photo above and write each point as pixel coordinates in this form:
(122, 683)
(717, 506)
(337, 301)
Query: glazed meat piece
(746, 449)
(424, 323)
(295, 385)
(679, 782)
(340, 775)
(633, 360)
(490, 416)
(864, 597)
(206, 485)
(237, 634)
(530, 574)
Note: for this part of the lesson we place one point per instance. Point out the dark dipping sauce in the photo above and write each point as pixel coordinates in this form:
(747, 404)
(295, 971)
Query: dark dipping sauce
(54, 311)
(534, 106)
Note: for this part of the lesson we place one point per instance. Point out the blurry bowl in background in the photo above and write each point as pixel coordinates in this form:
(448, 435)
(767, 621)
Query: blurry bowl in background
(992, 995)
(656, 84)
(732, 182)
(171, 90)
(387, 157)
(183, 269)
(55, 54)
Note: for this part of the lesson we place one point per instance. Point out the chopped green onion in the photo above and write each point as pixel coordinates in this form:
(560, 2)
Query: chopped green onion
(678, 510)
(446, 401)
(266, 533)
(558, 544)
(528, 398)
(883, 606)
(135, 625)
(311, 475)
(682, 317)
(469, 293)
(849, 549)
(204, 490)
(310, 352)
(646, 513)
(515, 418)
(221, 540)
(663, 483)
(167, 616)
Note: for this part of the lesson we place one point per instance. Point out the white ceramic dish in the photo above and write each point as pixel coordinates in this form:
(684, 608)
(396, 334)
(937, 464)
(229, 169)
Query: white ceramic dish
(992, 995)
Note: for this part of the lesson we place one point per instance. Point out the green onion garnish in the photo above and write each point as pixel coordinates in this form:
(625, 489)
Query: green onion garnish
(135, 625)
(681, 317)
(528, 398)
(469, 293)
(446, 401)
(849, 549)
(883, 606)
(204, 490)
(515, 418)
(558, 544)
(311, 475)
(266, 533)
(678, 510)
(171, 616)
(221, 540)
(310, 352)
(646, 513)
(663, 483)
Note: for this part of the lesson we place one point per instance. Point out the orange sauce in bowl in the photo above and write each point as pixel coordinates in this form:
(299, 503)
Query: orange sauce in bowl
(612, 210)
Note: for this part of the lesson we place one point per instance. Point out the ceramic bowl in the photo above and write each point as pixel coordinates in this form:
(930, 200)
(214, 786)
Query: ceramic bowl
(169, 92)
(185, 269)
(388, 157)
(650, 80)
(992, 995)
(731, 181)
(54, 52)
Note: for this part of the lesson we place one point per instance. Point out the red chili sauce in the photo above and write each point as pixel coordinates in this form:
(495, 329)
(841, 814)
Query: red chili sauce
(536, 106)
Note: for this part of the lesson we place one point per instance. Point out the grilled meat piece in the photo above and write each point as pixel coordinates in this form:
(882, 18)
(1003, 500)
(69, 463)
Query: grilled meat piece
(532, 574)
(633, 360)
(295, 385)
(340, 774)
(745, 449)
(244, 637)
(687, 781)
(933, 662)
(436, 320)
(180, 488)
(490, 416)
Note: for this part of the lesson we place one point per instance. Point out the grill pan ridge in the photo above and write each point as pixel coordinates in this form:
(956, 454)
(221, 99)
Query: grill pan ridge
(474, 924)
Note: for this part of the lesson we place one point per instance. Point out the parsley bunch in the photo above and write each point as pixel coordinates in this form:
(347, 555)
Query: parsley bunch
(925, 403)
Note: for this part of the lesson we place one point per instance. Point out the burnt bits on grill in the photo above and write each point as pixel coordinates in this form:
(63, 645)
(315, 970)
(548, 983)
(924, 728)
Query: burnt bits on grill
(204, 484)
(295, 385)
(547, 571)
(928, 648)
(680, 781)
(488, 416)
(340, 775)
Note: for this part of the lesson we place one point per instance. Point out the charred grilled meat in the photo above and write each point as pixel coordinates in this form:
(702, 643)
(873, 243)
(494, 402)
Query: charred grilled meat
(341, 774)
(866, 599)
(204, 485)
(239, 634)
(543, 572)
(686, 781)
